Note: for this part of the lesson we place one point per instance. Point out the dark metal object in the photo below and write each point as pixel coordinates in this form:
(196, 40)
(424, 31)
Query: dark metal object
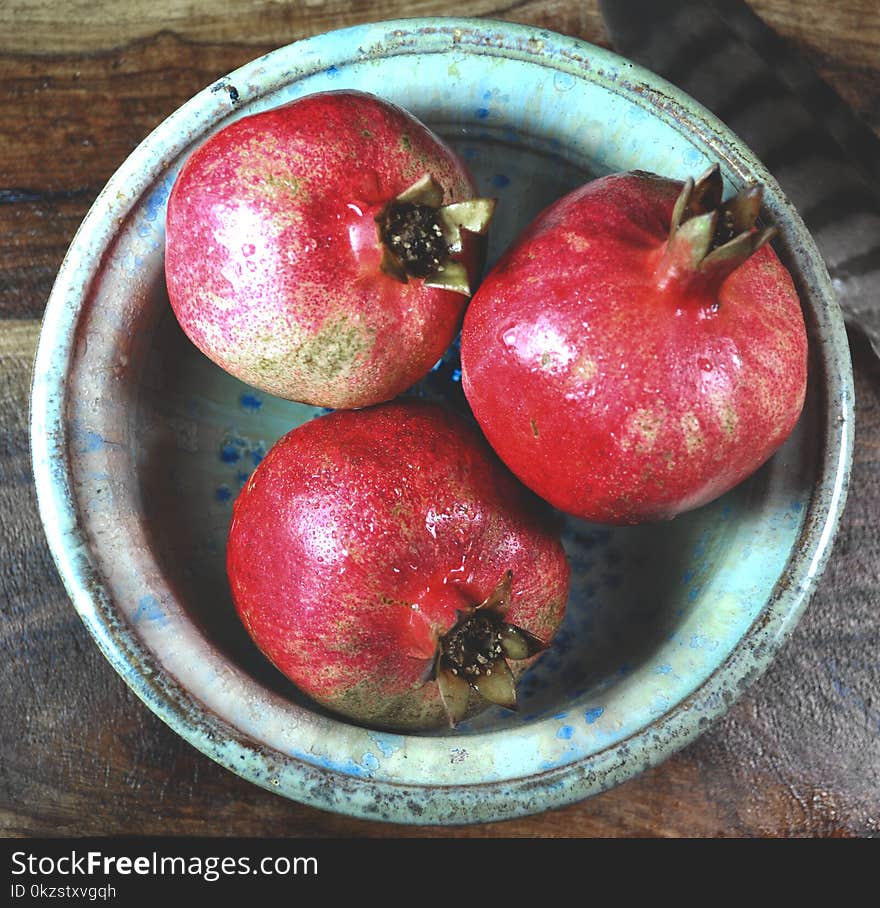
(826, 160)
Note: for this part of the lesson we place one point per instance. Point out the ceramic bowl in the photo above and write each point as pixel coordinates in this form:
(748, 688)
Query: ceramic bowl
(140, 445)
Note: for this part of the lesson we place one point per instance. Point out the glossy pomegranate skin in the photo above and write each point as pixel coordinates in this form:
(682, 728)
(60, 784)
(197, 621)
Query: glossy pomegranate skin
(613, 401)
(273, 260)
(360, 536)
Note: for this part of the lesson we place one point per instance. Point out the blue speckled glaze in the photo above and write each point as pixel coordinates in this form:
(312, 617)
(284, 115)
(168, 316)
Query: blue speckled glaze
(140, 446)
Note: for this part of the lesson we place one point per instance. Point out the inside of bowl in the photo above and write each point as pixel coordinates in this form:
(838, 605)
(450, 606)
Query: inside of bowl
(162, 441)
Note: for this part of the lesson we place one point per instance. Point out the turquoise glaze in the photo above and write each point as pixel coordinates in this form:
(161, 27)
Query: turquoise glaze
(140, 445)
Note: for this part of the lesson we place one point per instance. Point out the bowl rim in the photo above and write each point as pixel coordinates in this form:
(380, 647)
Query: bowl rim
(332, 789)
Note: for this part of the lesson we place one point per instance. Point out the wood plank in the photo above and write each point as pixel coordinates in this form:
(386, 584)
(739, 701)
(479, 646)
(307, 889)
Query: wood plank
(848, 30)
(82, 27)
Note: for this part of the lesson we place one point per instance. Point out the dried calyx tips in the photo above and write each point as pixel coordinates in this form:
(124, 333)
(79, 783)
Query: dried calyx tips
(709, 238)
(421, 236)
(472, 656)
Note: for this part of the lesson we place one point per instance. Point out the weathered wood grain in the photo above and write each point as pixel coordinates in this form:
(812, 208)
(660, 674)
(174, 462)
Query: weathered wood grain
(35, 26)
(80, 85)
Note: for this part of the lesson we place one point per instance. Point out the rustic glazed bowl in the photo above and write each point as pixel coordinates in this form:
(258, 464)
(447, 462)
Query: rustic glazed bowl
(140, 445)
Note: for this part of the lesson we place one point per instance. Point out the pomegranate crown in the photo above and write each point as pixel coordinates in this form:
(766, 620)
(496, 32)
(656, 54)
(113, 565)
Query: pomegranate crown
(421, 237)
(709, 239)
(471, 657)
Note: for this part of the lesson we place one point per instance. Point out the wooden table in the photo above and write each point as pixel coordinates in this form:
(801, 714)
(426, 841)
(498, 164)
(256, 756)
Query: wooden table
(81, 85)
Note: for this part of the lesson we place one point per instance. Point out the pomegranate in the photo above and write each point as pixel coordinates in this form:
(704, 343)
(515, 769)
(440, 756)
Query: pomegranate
(324, 250)
(639, 350)
(388, 564)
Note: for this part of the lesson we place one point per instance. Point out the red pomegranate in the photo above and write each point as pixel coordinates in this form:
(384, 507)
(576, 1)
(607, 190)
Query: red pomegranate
(388, 564)
(324, 250)
(640, 349)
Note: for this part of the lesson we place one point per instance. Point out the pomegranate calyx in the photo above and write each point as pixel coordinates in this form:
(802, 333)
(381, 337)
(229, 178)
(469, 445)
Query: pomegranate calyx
(708, 238)
(411, 232)
(472, 656)
(420, 236)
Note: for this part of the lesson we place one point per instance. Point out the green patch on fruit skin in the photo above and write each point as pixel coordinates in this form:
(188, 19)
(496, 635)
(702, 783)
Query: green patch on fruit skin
(693, 436)
(264, 164)
(289, 184)
(642, 430)
(585, 368)
(327, 357)
(729, 421)
(334, 350)
(399, 510)
(548, 620)
(418, 707)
